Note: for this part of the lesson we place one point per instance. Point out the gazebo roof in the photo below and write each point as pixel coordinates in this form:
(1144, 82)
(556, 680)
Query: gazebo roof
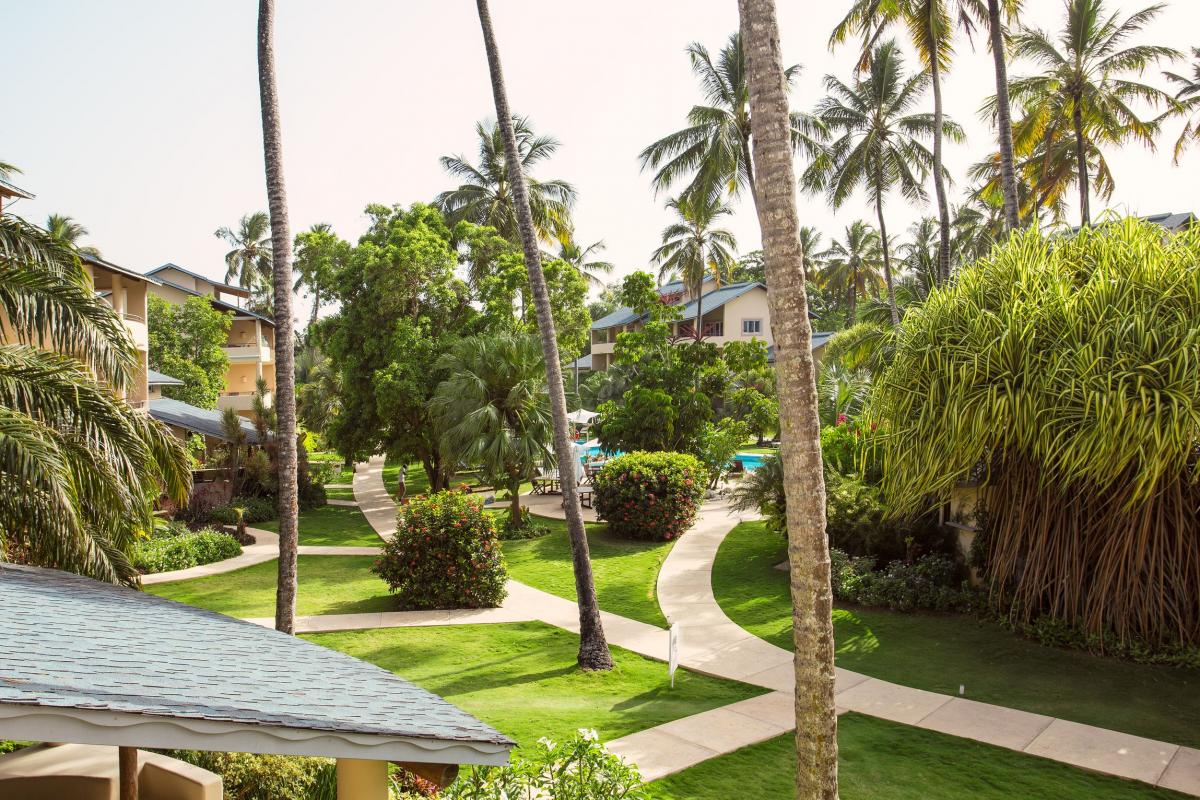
(94, 663)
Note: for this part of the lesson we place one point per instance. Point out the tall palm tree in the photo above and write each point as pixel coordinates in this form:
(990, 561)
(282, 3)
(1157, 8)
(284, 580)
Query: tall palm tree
(593, 648)
(878, 144)
(66, 230)
(495, 408)
(1085, 82)
(79, 468)
(852, 268)
(285, 369)
(487, 194)
(998, 13)
(715, 146)
(800, 452)
(1188, 98)
(695, 249)
(1045, 172)
(582, 259)
(250, 257)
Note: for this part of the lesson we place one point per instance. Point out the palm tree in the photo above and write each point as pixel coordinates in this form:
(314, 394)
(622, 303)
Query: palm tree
(715, 146)
(800, 452)
(999, 12)
(249, 260)
(695, 249)
(879, 145)
(66, 230)
(495, 409)
(852, 267)
(285, 370)
(1188, 98)
(79, 468)
(487, 194)
(1084, 82)
(919, 253)
(582, 259)
(593, 648)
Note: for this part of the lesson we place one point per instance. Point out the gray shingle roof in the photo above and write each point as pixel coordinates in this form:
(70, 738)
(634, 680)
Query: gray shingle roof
(75, 644)
(201, 420)
(219, 284)
(583, 362)
(711, 301)
(155, 378)
(236, 309)
(1173, 221)
(12, 190)
(819, 339)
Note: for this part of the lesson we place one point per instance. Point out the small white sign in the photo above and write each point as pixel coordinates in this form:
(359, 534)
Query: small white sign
(673, 651)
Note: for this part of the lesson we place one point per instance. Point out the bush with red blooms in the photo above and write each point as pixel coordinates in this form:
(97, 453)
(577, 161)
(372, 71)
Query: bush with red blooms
(651, 496)
(445, 554)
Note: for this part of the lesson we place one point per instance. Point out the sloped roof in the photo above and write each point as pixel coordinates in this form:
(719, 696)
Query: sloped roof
(819, 340)
(583, 362)
(200, 420)
(155, 378)
(93, 662)
(237, 310)
(710, 300)
(1173, 221)
(10, 189)
(719, 297)
(96, 261)
(238, 290)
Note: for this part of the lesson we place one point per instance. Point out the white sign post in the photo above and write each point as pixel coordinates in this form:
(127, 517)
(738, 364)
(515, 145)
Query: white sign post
(673, 651)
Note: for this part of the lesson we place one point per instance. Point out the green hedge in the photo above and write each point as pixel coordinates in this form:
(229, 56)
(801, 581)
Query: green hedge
(651, 496)
(933, 582)
(180, 550)
(445, 554)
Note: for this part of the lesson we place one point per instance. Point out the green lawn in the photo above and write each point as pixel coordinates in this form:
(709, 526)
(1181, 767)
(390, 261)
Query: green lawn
(522, 679)
(418, 481)
(626, 572)
(880, 760)
(940, 652)
(339, 526)
(328, 585)
(341, 473)
(339, 494)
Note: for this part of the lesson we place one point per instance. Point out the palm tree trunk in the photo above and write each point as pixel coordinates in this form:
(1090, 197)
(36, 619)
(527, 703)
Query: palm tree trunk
(593, 648)
(1008, 172)
(127, 772)
(1085, 211)
(800, 452)
(939, 177)
(887, 257)
(745, 137)
(285, 369)
(514, 496)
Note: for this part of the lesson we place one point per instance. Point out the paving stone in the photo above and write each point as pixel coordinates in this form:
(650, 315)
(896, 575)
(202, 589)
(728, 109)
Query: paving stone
(1103, 750)
(723, 730)
(775, 708)
(658, 754)
(891, 701)
(1183, 773)
(1004, 727)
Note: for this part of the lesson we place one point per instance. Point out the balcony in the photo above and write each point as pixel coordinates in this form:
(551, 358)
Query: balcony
(241, 401)
(137, 329)
(251, 353)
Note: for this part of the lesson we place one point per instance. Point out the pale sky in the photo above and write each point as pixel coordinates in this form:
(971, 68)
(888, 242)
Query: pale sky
(140, 118)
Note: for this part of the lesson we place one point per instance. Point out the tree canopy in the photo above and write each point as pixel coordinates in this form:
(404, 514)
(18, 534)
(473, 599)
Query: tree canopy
(188, 342)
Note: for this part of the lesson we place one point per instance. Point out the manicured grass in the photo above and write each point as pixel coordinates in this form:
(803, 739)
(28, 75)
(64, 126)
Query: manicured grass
(328, 585)
(418, 481)
(626, 572)
(339, 494)
(523, 680)
(880, 760)
(338, 526)
(940, 652)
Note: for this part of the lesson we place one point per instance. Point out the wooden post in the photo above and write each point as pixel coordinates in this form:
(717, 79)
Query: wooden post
(127, 763)
(359, 779)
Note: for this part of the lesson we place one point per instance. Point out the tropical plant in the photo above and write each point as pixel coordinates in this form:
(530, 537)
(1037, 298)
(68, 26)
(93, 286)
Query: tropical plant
(650, 495)
(1084, 84)
(877, 144)
(762, 491)
(593, 648)
(487, 194)
(187, 341)
(495, 410)
(851, 269)
(319, 399)
(1062, 370)
(79, 469)
(582, 259)
(284, 456)
(804, 486)
(249, 258)
(1188, 98)
(320, 256)
(69, 232)
(715, 146)
(694, 248)
(841, 391)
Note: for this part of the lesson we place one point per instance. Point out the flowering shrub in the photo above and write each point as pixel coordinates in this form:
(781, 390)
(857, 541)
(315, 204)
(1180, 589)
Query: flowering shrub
(445, 554)
(578, 769)
(650, 495)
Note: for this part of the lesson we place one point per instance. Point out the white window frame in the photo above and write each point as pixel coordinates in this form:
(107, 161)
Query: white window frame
(755, 332)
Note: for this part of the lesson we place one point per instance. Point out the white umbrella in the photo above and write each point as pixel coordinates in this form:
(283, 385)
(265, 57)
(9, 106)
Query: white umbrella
(582, 416)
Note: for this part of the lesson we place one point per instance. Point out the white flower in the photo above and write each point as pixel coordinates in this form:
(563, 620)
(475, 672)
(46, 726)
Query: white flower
(589, 734)
(547, 743)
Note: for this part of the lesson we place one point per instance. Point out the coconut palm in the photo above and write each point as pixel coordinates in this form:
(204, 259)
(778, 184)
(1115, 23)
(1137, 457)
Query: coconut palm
(1045, 173)
(695, 249)
(593, 648)
(280, 261)
(496, 409)
(249, 260)
(878, 141)
(1188, 98)
(1000, 14)
(79, 468)
(66, 230)
(1085, 83)
(714, 149)
(486, 195)
(852, 268)
(800, 453)
(582, 259)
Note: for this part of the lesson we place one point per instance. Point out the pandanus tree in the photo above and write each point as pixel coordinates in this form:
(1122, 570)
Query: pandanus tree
(593, 648)
(876, 141)
(1086, 85)
(695, 249)
(1062, 372)
(1188, 100)
(800, 451)
(79, 469)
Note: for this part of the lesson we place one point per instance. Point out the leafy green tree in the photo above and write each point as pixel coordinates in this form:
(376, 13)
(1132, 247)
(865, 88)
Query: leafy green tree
(79, 468)
(1188, 98)
(507, 302)
(494, 409)
(249, 258)
(695, 249)
(188, 342)
(1085, 83)
(485, 196)
(759, 413)
(320, 256)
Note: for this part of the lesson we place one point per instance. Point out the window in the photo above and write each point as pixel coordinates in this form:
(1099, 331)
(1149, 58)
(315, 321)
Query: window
(751, 327)
(714, 329)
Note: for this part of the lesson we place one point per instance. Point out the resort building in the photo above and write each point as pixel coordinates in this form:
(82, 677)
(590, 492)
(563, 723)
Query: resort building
(126, 291)
(251, 344)
(10, 192)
